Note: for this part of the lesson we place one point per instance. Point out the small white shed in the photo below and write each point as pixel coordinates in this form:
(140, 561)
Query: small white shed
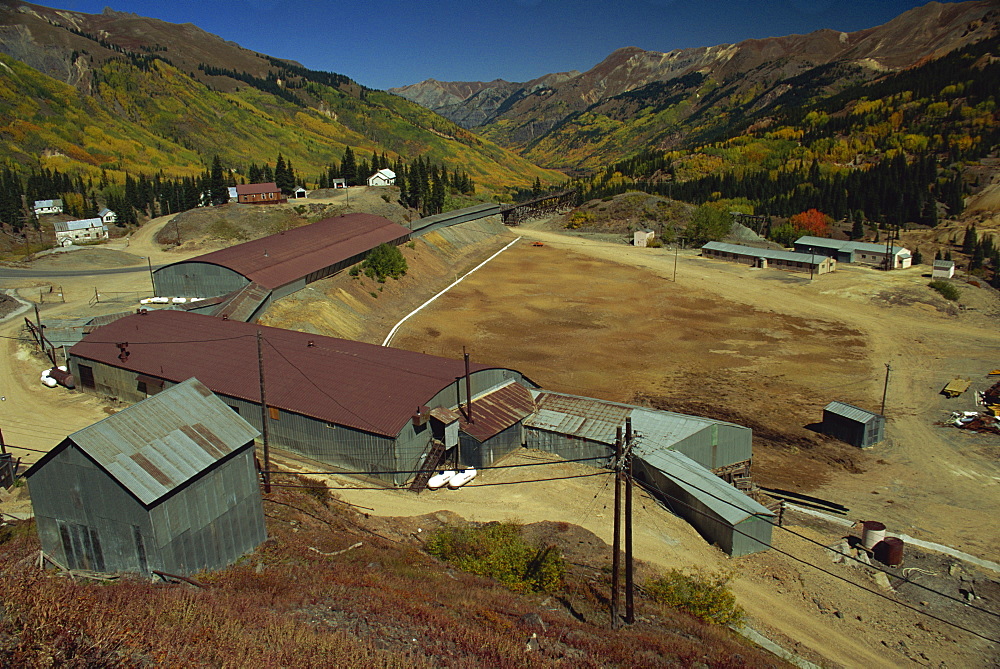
(943, 269)
(643, 237)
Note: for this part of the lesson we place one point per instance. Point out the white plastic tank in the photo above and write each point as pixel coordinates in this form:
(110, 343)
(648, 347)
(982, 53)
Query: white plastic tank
(872, 533)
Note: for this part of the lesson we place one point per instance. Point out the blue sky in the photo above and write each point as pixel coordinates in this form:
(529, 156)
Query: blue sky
(393, 43)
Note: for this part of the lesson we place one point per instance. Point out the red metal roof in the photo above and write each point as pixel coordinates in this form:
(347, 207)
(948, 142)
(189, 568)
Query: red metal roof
(256, 189)
(364, 386)
(496, 411)
(291, 255)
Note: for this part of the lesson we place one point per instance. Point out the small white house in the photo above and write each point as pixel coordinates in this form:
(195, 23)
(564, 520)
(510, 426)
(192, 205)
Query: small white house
(300, 192)
(43, 207)
(338, 183)
(107, 216)
(384, 177)
(232, 193)
(943, 269)
(643, 237)
(85, 230)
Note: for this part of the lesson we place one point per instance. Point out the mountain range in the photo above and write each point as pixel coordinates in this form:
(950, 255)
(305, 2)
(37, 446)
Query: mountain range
(116, 93)
(637, 100)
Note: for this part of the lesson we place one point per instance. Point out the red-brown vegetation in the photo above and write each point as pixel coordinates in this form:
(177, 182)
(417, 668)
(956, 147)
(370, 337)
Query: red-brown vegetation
(299, 601)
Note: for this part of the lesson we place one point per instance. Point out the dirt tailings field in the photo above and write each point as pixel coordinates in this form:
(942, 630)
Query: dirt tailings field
(768, 349)
(360, 308)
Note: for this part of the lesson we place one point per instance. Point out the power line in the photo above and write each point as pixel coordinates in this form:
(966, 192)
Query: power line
(820, 544)
(420, 471)
(846, 580)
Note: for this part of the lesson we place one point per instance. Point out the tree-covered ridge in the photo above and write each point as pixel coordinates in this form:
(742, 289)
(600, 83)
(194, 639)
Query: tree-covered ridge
(137, 113)
(891, 150)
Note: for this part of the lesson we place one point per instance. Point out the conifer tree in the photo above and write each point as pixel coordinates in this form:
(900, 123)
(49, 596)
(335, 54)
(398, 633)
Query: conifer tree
(217, 183)
(349, 168)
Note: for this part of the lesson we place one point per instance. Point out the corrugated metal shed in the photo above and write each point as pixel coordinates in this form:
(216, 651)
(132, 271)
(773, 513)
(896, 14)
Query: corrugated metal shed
(725, 500)
(159, 444)
(721, 513)
(497, 410)
(770, 254)
(850, 411)
(581, 417)
(852, 424)
(844, 245)
(289, 256)
(367, 387)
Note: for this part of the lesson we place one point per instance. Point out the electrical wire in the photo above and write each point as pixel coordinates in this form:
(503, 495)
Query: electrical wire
(842, 578)
(820, 544)
(422, 471)
(469, 485)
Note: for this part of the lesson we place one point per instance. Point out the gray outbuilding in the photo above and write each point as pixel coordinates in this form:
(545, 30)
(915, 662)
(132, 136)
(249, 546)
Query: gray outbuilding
(168, 484)
(852, 424)
(723, 515)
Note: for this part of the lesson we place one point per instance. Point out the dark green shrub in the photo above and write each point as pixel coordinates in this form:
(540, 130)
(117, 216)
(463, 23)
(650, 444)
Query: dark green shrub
(701, 594)
(385, 260)
(948, 291)
(498, 551)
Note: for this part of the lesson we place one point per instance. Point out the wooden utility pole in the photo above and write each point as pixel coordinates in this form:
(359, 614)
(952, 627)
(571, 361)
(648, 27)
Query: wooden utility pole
(263, 413)
(617, 541)
(629, 582)
(885, 390)
(675, 263)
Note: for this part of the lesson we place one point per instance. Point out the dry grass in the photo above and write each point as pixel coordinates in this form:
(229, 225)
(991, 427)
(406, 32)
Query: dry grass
(383, 604)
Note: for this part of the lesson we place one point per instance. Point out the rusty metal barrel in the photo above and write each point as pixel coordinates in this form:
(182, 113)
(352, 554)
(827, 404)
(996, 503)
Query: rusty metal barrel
(890, 551)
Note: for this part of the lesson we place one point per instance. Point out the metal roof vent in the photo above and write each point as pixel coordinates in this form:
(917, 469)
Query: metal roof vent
(311, 344)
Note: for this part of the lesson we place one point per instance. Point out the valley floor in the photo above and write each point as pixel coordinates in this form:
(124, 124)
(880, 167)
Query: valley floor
(760, 347)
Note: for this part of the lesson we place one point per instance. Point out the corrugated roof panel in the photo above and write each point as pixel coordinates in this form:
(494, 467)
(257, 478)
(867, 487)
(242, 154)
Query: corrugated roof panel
(850, 411)
(725, 500)
(497, 410)
(844, 245)
(770, 254)
(662, 429)
(148, 446)
(364, 386)
(288, 256)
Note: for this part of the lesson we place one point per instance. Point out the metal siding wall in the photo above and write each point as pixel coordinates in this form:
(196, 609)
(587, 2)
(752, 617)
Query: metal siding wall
(759, 539)
(196, 279)
(479, 455)
(412, 445)
(714, 529)
(843, 428)
(335, 445)
(288, 289)
(481, 381)
(71, 489)
(568, 448)
(717, 445)
(214, 520)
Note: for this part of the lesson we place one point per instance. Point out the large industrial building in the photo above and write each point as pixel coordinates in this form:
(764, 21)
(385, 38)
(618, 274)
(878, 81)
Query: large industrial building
(358, 406)
(855, 252)
(763, 258)
(168, 484)
(260, 271)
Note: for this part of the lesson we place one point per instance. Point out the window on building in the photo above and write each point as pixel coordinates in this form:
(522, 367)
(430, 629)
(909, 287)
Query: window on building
(275, 413)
